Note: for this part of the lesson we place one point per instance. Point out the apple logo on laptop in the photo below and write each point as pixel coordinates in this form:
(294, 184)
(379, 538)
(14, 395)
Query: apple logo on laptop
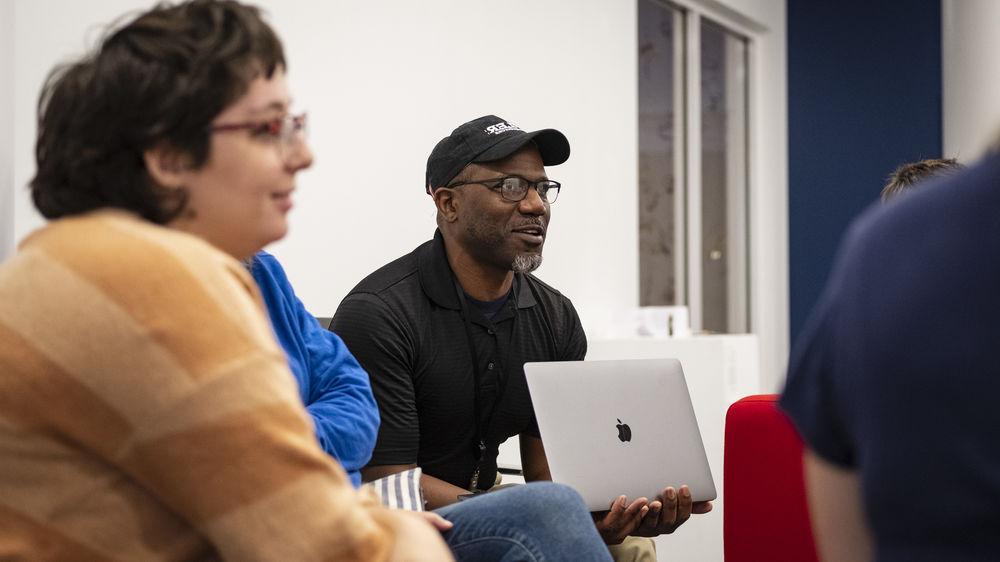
(624, 431)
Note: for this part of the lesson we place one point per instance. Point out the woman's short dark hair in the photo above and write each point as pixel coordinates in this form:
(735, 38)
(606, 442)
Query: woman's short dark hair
(159, 80)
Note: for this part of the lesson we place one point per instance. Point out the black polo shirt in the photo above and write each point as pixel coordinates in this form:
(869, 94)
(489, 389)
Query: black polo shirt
(404, 323)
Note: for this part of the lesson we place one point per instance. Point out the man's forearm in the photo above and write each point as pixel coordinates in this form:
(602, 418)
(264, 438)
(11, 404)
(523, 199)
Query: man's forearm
(439, 493)
(534, 464)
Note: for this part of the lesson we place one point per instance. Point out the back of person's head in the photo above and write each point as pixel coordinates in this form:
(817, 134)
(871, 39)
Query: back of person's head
(908, 175)
(157, 81)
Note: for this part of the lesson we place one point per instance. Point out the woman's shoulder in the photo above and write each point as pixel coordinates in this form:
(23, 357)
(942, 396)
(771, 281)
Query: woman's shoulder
(124, 254)
(102, 238)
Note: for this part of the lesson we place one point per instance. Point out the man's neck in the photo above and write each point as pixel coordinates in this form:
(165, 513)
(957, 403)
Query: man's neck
(479, 281)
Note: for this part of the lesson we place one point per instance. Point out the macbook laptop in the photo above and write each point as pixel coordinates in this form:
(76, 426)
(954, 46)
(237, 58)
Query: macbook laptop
(615, 428)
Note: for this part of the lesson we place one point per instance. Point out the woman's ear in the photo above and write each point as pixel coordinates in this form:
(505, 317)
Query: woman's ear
(167, 166)
(447, 202)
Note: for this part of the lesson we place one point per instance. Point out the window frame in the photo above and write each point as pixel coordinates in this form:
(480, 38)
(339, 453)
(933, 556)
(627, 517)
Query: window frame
(688, 163)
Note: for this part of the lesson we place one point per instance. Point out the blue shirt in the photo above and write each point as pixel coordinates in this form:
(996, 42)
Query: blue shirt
(333, 386)
(896, 375)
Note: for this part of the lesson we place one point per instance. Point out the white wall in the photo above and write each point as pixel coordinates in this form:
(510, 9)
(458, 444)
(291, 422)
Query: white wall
(6, 130)
(392, 82)
(765, 21)
(384, 81)
(45, 33)
(970, 57)
(769, 194)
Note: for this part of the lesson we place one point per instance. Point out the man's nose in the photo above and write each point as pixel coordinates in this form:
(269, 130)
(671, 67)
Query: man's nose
(533, 204)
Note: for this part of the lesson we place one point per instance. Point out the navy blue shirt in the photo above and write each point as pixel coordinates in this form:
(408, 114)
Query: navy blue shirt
(489, 309)
(897, 374)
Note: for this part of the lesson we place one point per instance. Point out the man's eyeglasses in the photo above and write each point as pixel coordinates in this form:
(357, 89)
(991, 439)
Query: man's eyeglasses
(286, 131)
(515, 188)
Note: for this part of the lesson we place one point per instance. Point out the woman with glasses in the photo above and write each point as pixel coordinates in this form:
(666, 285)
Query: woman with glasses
(160, 421)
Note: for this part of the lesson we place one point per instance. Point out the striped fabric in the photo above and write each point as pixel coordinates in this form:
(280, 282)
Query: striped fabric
(400, 491)
(146, 412)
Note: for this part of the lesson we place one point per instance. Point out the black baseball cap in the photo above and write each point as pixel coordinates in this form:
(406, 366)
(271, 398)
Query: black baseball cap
(489, 139)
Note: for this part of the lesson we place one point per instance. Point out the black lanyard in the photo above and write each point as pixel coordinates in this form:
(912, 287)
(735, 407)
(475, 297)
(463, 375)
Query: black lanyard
(483, 426)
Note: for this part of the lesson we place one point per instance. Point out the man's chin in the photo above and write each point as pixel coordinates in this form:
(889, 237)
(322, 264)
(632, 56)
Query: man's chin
(526, 263)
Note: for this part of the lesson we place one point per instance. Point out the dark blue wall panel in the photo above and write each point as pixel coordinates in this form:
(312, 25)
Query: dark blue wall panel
(864, 95)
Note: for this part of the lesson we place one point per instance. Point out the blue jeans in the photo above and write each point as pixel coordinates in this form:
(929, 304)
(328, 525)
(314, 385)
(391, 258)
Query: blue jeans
(537, 522)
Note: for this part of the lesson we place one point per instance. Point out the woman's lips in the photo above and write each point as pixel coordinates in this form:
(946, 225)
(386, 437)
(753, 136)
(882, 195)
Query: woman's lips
(283, 200)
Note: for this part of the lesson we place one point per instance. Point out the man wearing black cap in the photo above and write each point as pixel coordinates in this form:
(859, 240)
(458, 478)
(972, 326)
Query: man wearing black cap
(445, 330)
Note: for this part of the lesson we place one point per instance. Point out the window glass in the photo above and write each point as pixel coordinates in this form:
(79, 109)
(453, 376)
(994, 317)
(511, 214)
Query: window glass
(661, 155)
(724, 240)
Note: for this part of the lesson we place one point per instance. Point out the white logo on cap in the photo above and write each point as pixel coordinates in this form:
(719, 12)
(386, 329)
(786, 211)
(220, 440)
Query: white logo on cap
(501, 127)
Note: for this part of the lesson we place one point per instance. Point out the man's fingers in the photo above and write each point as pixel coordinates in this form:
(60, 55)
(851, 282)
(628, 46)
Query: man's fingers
(668, 515)
(683, 504)
(617, 507)
(611, 518)
(652, 519)
(621, 520)
(667, 512)
(633, 516)
(649, 520)
(633, 509)
(631, 520)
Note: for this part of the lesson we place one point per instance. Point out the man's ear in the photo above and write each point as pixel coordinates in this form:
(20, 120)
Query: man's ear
(167, 166)
(447, 202)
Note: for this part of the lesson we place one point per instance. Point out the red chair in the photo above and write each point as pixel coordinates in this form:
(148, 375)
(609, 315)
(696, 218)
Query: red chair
(765, 515)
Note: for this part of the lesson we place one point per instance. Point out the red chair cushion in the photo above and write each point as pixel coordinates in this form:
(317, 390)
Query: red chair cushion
(765, 512)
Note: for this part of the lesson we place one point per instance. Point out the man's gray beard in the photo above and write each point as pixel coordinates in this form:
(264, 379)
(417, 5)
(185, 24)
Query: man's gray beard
(526, 263)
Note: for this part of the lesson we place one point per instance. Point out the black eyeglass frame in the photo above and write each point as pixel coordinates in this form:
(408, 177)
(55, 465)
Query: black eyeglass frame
(542, 187)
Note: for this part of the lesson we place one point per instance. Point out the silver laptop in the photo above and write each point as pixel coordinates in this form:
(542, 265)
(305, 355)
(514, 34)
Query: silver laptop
(619, 427)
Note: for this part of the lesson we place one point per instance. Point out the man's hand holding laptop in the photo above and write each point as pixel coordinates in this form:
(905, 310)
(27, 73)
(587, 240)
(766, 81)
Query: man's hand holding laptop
(644, 518)
(670, 510)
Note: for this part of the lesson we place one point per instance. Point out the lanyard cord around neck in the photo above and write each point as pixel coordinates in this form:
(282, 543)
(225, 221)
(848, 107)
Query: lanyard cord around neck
(483, 427)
